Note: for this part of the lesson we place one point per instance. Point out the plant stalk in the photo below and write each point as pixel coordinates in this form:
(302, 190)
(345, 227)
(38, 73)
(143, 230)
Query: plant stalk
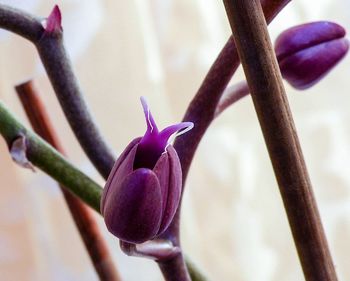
(265, 83)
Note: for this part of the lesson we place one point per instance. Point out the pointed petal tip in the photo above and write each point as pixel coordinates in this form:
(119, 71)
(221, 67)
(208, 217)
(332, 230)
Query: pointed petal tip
(181, 128)
(54, 20)
(151, 124)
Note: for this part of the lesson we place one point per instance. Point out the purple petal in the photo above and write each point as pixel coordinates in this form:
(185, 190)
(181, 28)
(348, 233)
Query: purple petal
(174, 189)
(182, 128)
(305, 68)
(307, 35)
(125, 161)
(153, 143)
(133, 209)
(162, 171)
(151, 124)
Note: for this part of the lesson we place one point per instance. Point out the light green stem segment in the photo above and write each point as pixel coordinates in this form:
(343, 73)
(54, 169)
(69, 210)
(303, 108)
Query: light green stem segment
(46, 158)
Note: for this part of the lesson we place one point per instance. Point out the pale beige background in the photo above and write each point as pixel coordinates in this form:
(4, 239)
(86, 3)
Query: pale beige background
(234, 226)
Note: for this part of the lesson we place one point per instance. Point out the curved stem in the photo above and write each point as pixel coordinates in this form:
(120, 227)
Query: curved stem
(59, 69)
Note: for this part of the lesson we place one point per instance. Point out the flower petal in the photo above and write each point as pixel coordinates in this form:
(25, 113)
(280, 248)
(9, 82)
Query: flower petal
(174, 189)
(133, 209)
(125, 161)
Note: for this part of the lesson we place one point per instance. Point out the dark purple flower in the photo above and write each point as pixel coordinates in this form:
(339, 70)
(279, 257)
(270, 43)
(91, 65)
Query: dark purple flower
(307, 52)
(143, 190)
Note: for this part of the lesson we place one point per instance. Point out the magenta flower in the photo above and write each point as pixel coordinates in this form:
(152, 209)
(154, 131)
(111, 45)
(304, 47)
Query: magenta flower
(307, 52)
(143, 190)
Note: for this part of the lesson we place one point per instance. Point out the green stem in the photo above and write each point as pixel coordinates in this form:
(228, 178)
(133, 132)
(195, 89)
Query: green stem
(45, 157)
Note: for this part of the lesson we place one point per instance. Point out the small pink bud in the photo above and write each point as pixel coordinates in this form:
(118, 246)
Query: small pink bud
(54, 20)
(307, 52)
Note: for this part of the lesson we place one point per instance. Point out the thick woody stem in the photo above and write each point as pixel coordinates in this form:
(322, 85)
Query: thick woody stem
(81, 213)
(50, 46)
(270, 101)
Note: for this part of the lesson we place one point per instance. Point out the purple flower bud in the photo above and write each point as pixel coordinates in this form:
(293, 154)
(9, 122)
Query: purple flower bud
(307, 52)
(143, 190)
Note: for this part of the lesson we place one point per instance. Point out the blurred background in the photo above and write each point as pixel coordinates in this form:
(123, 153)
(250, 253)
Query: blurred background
(233, 223)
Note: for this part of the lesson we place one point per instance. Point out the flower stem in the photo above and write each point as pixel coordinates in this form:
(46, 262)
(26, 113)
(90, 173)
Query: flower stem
(175, 269)
(82, 215)
(270, 101)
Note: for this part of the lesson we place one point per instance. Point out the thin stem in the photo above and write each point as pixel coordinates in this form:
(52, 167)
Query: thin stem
(82, 215)
(175, 269)
(59, 69)
(270, 101)
(45, 157)
(231, 95)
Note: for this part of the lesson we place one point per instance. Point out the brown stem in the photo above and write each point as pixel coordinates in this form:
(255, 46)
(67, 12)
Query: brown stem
(81, 213)
(270, 101)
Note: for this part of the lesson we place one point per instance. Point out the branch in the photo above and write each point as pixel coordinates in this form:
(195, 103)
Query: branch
(82, 215)
(271, 105)
(49, 44)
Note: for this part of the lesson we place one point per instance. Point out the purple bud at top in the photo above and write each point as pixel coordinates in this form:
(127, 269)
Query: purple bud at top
(143, 190)
(307, 52)
(53, 22)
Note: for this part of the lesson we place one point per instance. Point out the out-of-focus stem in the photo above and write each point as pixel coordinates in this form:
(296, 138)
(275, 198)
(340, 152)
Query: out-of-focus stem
(59, 69)
(231, 95)
(81, 213)
(46, 158)
(272, 108)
